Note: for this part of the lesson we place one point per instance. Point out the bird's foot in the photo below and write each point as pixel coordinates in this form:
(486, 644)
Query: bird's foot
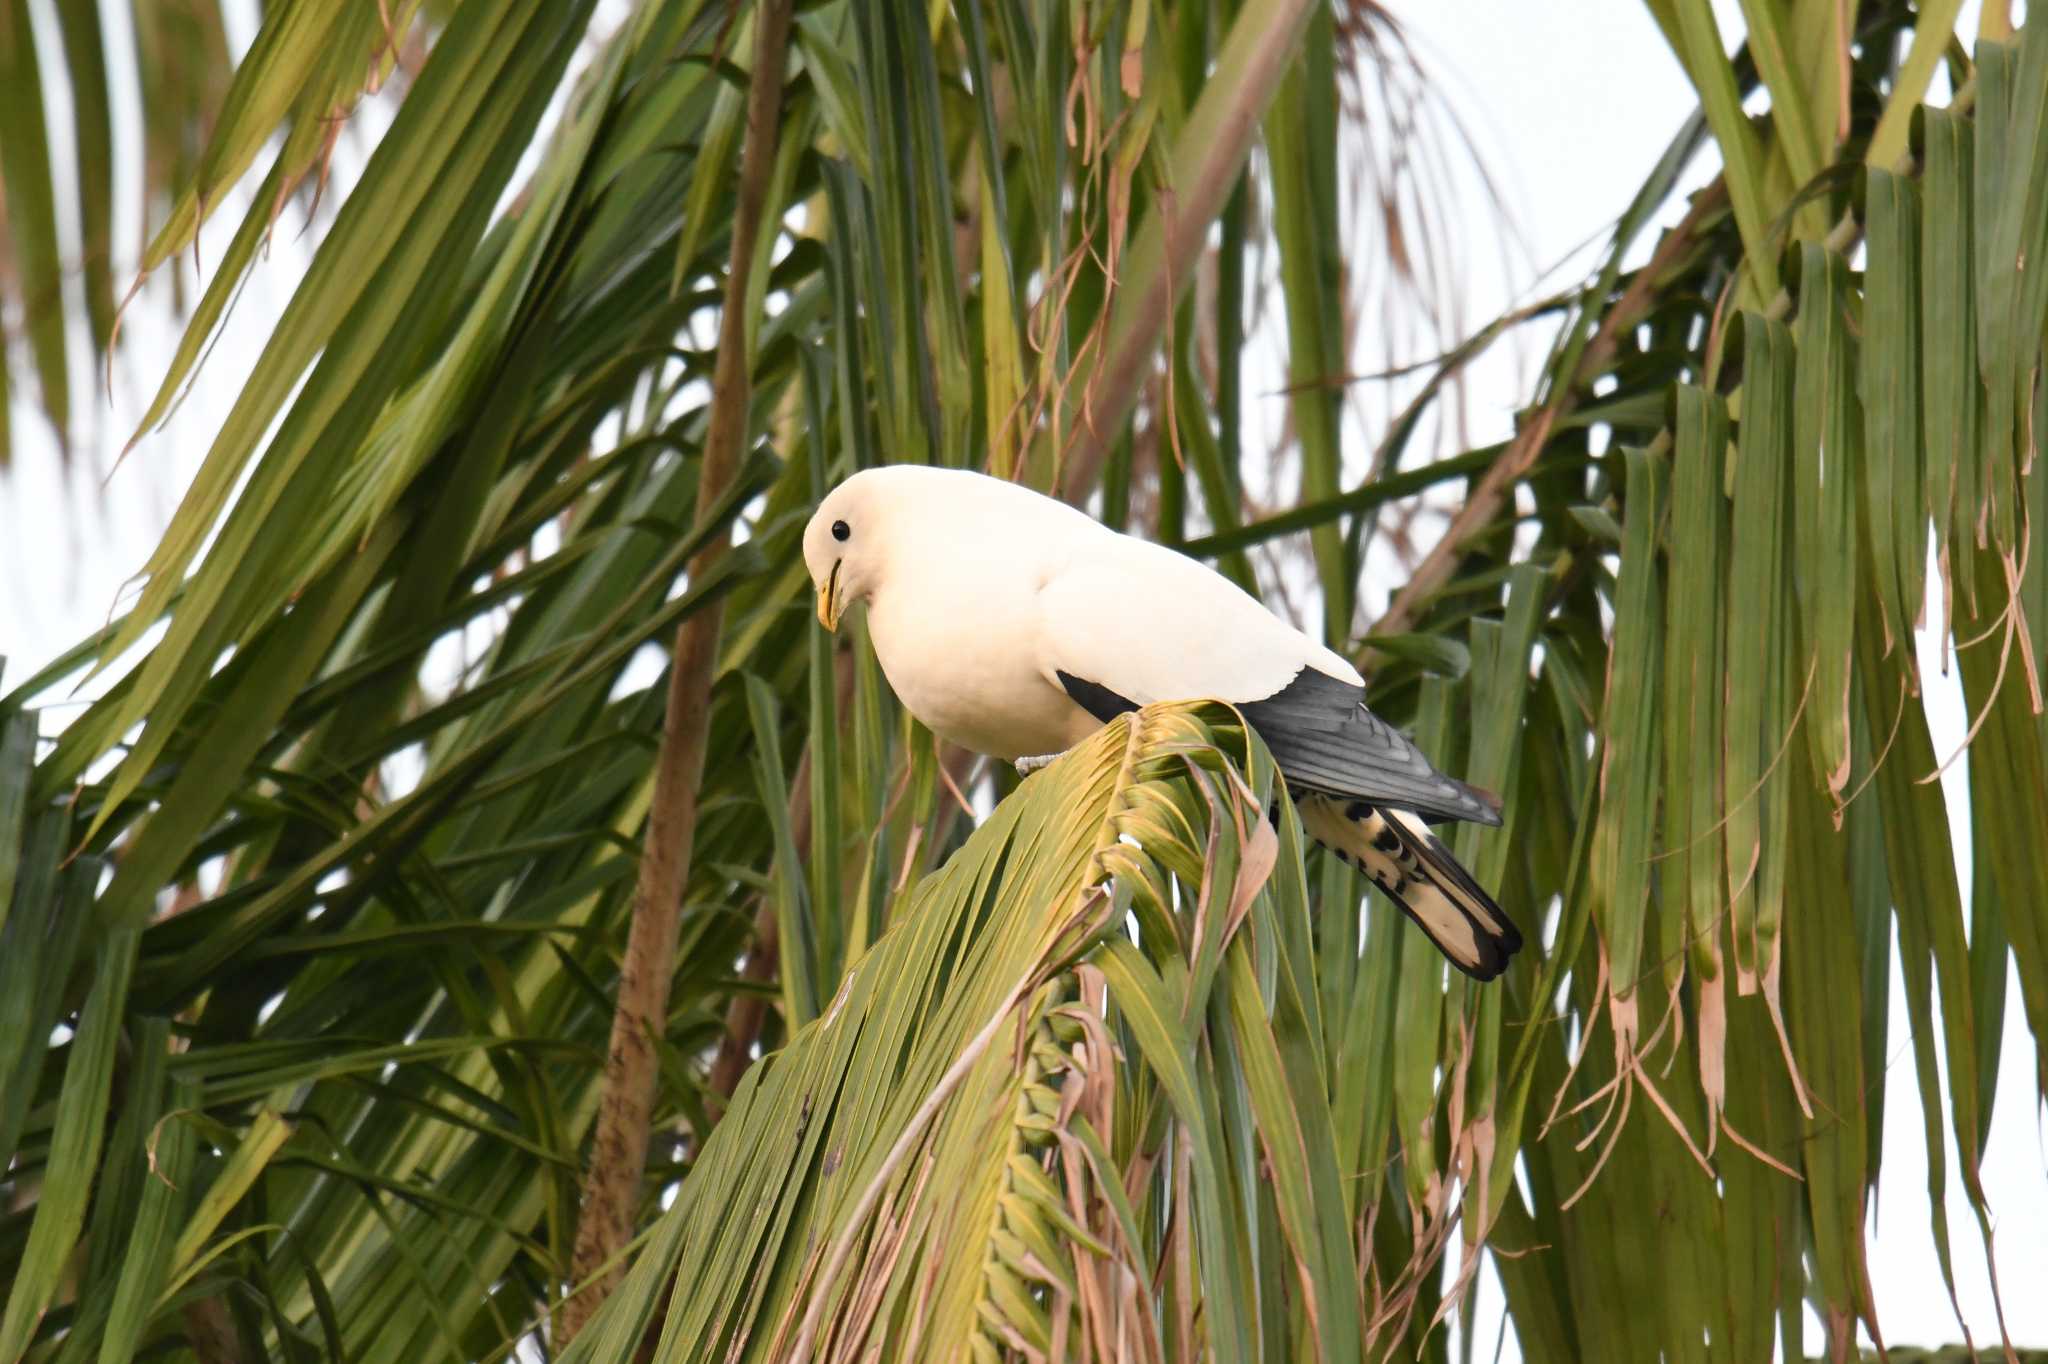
(1026, 766)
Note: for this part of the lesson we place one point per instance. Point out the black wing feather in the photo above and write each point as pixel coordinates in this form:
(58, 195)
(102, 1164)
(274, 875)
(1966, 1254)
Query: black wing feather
(1098, 700)
(1324, 739)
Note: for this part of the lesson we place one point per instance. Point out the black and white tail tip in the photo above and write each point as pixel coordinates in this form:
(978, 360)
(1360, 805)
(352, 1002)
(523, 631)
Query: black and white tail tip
(1396, 850)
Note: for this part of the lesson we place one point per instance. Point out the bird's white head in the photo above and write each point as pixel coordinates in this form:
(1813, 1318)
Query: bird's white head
(846, 542)
(899, 513)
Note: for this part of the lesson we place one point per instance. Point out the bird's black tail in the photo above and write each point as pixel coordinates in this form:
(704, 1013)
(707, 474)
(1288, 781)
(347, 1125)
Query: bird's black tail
(1417, 872)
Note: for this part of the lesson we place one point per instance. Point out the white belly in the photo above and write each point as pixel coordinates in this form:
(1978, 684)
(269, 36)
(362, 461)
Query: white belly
(979, 687)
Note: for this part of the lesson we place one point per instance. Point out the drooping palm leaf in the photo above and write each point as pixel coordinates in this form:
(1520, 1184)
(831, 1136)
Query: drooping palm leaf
(965, 1154)
(204, 121)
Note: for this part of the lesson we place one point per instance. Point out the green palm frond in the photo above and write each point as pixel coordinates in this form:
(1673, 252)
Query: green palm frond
(204, 122)
(952, 1154)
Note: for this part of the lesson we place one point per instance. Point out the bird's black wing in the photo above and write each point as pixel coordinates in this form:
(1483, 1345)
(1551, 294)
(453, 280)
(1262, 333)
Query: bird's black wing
(1098, 700)
(1324, 739)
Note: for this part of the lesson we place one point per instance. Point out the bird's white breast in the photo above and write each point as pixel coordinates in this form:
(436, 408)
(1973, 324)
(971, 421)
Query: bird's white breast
(958, 643)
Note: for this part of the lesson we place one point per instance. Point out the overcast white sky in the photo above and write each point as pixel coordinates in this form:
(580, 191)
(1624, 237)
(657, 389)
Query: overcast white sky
(1568, 127)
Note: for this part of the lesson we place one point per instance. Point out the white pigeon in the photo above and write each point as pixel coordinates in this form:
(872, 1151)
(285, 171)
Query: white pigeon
(1014, 625)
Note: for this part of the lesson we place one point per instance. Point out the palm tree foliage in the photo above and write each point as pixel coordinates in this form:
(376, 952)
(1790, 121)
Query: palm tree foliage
(170, 57)
(314, 920)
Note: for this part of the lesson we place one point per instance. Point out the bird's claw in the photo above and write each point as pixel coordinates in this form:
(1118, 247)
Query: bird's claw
(1026, 766)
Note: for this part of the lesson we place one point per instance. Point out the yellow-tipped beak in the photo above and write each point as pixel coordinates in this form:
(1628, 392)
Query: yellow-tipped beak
(828, 607)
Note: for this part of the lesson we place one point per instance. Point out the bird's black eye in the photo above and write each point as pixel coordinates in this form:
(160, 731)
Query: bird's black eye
(841, 531)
